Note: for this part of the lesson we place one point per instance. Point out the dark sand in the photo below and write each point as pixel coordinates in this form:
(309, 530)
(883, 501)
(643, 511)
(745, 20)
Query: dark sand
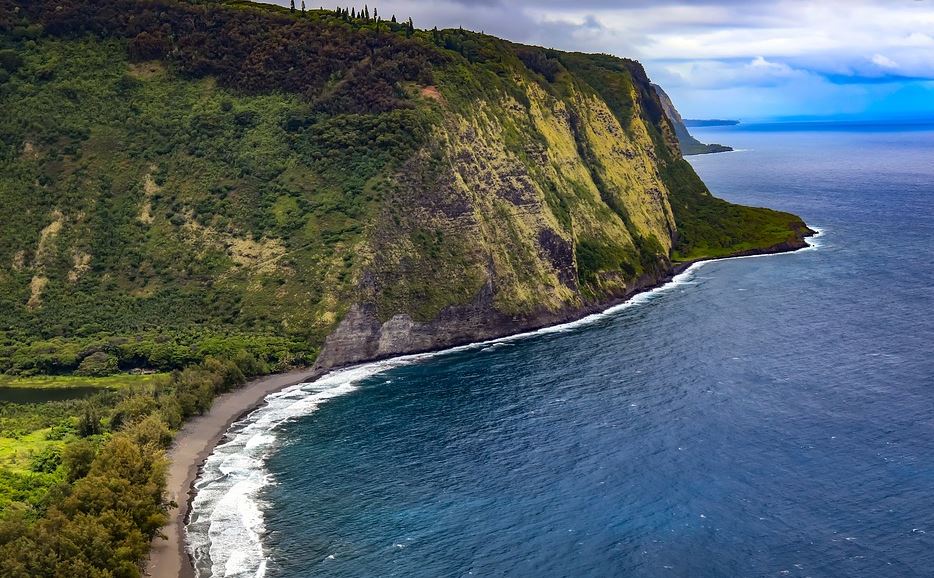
(192, 445)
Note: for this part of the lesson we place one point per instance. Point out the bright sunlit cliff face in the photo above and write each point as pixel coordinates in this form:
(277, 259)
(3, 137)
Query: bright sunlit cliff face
(730, 58)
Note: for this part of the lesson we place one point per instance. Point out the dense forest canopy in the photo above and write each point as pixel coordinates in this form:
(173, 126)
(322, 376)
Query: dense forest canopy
(340, 66)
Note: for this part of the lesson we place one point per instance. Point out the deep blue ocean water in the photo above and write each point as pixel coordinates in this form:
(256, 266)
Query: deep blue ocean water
(761, 417)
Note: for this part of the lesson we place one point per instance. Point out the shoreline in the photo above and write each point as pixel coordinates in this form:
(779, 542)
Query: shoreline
(169, 558)
(198, 438)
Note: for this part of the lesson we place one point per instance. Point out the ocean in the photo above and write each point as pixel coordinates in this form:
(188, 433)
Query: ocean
(767, 416)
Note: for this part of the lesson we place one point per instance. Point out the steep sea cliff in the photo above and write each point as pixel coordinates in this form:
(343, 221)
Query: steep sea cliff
(758, 416)
(361, 336)
(368, 190)
(689, 144)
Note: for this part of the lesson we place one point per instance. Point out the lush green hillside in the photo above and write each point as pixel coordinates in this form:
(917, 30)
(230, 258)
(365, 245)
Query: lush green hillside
(184, 179)
(233, 189)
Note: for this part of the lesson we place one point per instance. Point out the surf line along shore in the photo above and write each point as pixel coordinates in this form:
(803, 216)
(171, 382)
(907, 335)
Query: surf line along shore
(169, 558)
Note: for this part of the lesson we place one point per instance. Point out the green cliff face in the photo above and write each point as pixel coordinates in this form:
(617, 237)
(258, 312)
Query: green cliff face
(688, 144)
(179, 180)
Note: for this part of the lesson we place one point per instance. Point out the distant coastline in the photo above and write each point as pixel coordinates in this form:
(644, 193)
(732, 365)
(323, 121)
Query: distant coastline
(695, 122)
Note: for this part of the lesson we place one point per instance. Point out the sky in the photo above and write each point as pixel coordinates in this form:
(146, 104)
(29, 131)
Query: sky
(736, 59)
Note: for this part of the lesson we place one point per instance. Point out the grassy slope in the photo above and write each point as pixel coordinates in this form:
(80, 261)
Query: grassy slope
(709, 227)
(81, 381)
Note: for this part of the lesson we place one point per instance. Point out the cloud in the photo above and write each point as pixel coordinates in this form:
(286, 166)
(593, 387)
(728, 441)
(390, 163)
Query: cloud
(883, 61)
(713, 74)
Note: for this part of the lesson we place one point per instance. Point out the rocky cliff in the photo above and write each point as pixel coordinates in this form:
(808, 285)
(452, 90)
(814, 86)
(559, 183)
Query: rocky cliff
(689, 144)
(211, 170)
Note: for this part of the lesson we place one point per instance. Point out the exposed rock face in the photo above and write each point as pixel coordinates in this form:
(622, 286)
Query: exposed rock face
(498, 208)
(361, 336)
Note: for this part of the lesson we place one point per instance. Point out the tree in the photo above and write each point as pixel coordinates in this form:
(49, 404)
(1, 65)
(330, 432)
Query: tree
(89, 423)
(303, 6)
(97, 364)
(393, 19)
(77, 458)
(152, 432)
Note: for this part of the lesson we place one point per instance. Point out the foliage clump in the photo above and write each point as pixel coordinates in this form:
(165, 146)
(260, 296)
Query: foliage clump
(90, 504)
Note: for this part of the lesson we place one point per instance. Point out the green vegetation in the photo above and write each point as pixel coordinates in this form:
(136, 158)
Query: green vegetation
(78, 381)
(195, 193)
(709, 227)
(81, 481)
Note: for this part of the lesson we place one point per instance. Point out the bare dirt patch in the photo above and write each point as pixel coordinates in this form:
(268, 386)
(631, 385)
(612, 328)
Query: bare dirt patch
(82, 262)
(432, 93)
(36, 287)
(30, 152)
(150, 188)
(48, 234)
(19, 260)
(260, 256)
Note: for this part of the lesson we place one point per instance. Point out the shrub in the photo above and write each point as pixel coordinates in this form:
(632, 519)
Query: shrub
(10, 60)
(47, 460)
(89, 423)
(77, 458)
(98, 364)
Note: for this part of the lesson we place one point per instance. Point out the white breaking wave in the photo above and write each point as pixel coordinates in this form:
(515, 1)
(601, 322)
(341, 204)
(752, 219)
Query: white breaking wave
(226, 527)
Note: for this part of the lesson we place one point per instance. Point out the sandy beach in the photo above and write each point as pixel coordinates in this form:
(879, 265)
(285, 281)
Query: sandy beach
(192, 445)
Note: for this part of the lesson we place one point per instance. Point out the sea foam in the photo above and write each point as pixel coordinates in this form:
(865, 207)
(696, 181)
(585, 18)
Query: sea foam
(226, 528)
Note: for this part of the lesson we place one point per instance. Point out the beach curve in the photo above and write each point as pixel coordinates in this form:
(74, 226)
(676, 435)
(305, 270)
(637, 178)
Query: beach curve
(168, 558)
(198, 439)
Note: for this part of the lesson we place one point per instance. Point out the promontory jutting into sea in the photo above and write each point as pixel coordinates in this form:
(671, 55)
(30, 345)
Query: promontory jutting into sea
(437, 289)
